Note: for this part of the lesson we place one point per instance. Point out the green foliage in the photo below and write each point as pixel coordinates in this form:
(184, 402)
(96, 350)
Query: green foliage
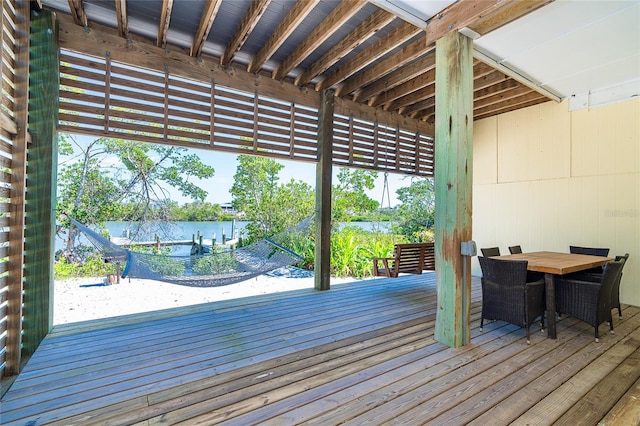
(269, 206)
(217, 263)
(349, 196)
(92, 266)
(416, 213)
(352, 249)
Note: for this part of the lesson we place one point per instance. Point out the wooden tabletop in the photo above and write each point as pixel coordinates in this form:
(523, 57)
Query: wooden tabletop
(557, 263)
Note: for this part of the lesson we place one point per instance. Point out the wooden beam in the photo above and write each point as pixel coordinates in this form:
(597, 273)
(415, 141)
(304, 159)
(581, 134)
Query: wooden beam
(121, 16)
(145, 54)
(336, 18)
(505, 14)
(398, 96)
(454, 179)
(209, 13)
(15, 264)
(296, 15)
(384, 67)
(361, 33)
(371, 54)
(322, 260)
(248, 23)
(78, 13)
(163, 25)
(396, 78)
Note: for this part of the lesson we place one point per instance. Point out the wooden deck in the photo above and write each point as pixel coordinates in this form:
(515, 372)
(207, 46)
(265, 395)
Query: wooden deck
(362, 353)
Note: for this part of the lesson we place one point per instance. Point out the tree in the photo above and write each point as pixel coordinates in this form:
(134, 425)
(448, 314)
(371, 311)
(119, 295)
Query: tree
(349, 194)
(110, 177)
(270, 207)
(148, 170)
(416, 213)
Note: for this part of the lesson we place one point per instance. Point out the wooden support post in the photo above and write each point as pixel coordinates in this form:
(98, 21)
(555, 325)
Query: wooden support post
(42, 161)
(453, 181)
(15, 278)
(322, 261)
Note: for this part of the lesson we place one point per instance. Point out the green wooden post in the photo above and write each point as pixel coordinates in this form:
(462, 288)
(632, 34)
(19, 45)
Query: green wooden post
(41, 180)
(453, 179)
(322, 260)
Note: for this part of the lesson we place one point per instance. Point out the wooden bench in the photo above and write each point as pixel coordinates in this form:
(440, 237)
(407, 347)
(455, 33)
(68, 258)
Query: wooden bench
(410, 258)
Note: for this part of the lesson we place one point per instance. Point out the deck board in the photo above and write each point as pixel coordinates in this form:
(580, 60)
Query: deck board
(359, 353)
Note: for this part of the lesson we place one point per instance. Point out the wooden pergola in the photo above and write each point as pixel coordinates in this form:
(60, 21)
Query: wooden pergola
(343, 83)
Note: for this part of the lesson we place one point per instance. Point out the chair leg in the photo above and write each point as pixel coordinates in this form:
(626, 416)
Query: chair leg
(528, 337)
(619, 312)
(597, 336)
(611, 325)
(481, 322)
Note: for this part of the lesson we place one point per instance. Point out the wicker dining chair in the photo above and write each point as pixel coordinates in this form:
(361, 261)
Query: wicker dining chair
(597, 276)
(588, 301)
(507, 296)
(515, 249)
(593, 251)
(490, 251)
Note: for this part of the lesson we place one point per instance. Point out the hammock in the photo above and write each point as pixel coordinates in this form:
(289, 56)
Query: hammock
(208, 270)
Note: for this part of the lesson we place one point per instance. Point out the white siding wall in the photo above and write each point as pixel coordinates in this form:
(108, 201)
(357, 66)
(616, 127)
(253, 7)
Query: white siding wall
(547, 178)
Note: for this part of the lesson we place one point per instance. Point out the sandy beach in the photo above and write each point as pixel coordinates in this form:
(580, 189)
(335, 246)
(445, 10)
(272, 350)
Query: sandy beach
(83, 299)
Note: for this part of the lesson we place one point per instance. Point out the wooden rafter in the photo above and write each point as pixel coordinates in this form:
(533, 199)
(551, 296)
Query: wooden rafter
(410, 93)
(419, 82)
(296, 15)
(248, 23)
(121, 14)
(378, 49)
(362, 32)
(419, 66)
(206, 21)
(336, 18)
(384, 67)
(78, 13)
(163, 26)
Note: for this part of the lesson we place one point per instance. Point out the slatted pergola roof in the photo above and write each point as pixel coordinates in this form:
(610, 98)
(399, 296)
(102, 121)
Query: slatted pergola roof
(363, 52)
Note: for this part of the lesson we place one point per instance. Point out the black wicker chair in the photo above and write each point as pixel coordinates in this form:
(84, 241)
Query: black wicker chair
(597, 276)
(506, 294)
(490, 251)
(515, 250)
(588, 301)
(593, 251)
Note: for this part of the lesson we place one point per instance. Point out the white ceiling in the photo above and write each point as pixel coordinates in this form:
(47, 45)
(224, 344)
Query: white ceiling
(585, 51)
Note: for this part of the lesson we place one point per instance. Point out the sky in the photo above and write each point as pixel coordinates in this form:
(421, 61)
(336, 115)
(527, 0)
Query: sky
(218, 187)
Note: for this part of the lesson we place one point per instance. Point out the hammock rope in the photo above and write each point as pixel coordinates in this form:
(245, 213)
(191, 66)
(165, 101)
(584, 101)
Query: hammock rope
(208, 270)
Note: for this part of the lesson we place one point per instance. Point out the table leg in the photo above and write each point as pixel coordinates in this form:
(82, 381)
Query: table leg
(550, 291)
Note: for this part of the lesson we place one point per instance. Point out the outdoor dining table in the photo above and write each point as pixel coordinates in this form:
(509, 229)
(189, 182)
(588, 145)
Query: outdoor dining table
(552, 264)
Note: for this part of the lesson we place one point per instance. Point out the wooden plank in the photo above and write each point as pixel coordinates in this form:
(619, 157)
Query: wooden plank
(595, 404)
(520, 400)
(361, 33)
(389, 42)
(207, 17)
(247, 24)
(334, 20)
(163, 25)
(626, 412)
(454, 176)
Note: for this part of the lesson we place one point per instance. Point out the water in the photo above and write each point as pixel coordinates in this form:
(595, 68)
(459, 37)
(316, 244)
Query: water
(207, 229)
